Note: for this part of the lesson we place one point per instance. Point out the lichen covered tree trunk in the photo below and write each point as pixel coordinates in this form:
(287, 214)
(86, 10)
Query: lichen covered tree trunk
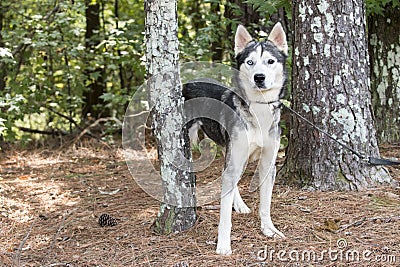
(384, 49)
(330, 88)
(177, 212)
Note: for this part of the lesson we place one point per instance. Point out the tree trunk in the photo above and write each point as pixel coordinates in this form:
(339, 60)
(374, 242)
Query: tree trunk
(95, 75)
(247, 16)
(384, 48)
(194, 8)
(217, 44)
(282, 17)
(330, 88)
(121, 71)
(178, 211)
(2, 69)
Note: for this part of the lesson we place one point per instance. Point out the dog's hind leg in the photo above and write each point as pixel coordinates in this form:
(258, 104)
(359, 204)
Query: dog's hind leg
(238, 203)
(267, 179)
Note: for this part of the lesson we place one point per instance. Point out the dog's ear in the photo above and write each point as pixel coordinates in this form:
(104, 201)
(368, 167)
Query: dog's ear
(242, 38)
(278, 38)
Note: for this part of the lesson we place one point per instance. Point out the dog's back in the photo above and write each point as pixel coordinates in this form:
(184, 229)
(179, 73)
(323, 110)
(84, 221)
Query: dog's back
(212, 98)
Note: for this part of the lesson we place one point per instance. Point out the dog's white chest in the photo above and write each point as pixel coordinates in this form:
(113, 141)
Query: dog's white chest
(262, 130)
(263, 119)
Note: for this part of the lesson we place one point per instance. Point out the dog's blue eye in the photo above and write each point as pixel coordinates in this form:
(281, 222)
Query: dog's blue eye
(250, 62)
(271, 61)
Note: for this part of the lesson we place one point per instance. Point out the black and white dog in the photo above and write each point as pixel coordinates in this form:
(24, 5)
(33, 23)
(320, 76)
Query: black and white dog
(246, 123)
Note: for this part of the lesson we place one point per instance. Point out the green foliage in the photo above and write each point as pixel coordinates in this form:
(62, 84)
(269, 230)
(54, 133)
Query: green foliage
(271, 7)
(207, 24)
(377, 7)
(44, 59)
(47, 68)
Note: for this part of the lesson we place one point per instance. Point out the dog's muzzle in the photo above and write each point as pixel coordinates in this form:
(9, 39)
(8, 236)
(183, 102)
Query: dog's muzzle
(259, 80)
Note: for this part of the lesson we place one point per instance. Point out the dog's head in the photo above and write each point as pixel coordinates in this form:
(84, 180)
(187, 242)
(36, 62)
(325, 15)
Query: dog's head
(262, 64)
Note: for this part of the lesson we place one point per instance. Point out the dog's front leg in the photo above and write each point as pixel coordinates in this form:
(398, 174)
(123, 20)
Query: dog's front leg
(267, 179)
(230, 178)
(225, 221)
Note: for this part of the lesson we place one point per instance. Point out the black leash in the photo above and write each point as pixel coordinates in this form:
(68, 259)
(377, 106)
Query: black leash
(370, 160)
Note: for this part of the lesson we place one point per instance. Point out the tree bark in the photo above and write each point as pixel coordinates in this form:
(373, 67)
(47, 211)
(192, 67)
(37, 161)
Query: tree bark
(384, 50)
(120, 66)
(178, 212)
(330, 88)
(95, 75)
(217, 45)
(194, 8)
(282, 17)
(2, 70)
(246, 17)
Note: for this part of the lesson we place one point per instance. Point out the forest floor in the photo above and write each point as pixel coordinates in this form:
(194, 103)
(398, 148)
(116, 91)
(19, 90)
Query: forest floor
(50, 202)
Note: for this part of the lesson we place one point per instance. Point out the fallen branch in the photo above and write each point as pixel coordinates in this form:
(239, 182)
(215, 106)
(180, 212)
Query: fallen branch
(21, 246)
(44, 132)
(365, 219)
(61, 226)
(74, 123)
(94, 124)
(71, 120)
(85, 131)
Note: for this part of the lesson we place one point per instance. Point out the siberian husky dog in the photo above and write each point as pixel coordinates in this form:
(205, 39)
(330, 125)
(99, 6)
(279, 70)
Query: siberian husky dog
(246, 122)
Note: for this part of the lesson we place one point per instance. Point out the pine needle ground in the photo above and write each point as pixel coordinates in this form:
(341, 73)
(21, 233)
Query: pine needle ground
(50, 203)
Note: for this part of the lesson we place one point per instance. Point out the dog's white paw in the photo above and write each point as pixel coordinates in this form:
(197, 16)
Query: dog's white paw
(224, 246)
(271, 231)
(224, 251)
(241, 207)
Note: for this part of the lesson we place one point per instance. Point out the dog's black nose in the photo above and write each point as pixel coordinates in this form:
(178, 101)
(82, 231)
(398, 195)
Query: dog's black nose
(259, 78)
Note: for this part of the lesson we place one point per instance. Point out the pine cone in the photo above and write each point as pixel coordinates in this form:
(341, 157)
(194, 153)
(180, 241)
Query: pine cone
(107, 220)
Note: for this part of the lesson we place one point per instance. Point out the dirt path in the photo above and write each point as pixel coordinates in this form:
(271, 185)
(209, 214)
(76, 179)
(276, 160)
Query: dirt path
(50, 203)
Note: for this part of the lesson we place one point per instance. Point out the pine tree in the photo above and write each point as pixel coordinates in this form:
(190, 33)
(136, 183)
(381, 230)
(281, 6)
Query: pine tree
(384, 48)
(330, 88)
